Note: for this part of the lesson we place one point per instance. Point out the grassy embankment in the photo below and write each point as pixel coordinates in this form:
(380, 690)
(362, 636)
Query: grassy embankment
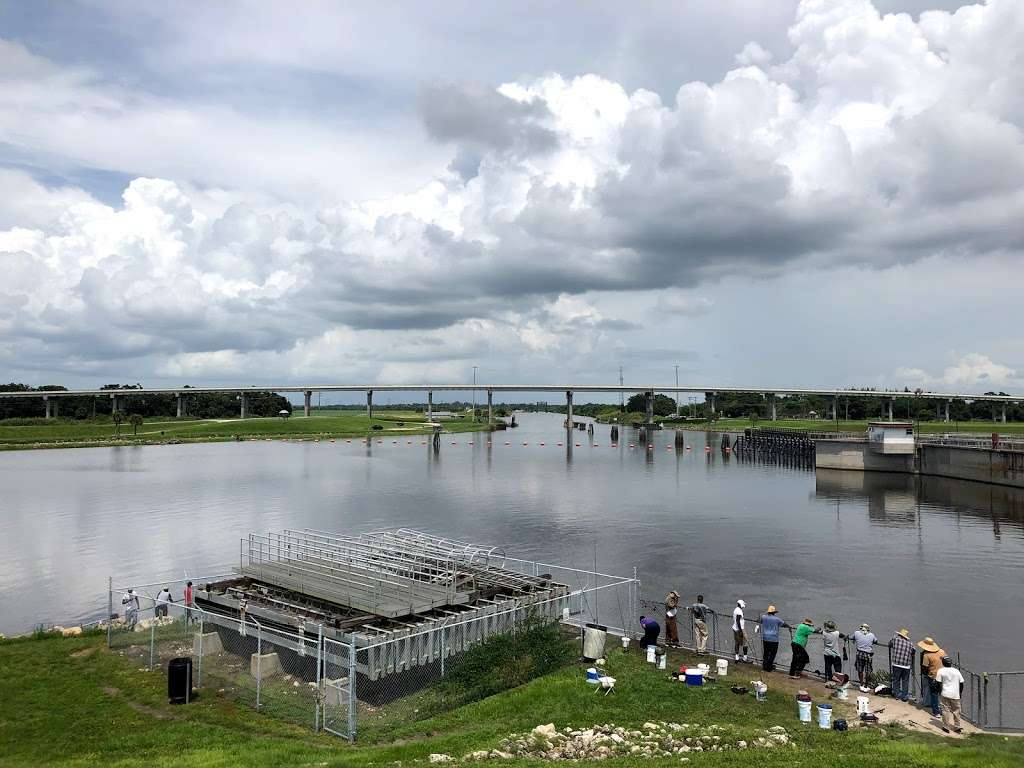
(58, 433)
(71, 702)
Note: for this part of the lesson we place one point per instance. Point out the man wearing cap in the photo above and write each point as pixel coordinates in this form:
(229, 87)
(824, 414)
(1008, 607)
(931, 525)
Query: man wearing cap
(931, 663)
(952, 683)
(769, 629)
(799, 647)
(671, 609)
(739, 634)
(864, 640)
(901, 657)
(700, 624)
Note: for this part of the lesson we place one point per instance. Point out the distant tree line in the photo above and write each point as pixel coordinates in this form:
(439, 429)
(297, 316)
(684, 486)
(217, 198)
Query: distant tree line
(197, 405)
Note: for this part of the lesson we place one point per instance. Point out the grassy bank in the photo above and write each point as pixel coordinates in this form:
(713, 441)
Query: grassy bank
(59, 433)
(70, 702)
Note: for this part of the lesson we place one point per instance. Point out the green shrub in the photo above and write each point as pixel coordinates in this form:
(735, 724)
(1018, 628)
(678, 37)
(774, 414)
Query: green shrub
(506, 661)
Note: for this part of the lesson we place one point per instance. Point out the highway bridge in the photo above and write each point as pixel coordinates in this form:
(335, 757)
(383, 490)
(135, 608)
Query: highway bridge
(52, 398)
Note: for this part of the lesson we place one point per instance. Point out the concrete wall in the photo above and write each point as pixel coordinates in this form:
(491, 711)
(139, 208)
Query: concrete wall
(981, 465)
(857, 455)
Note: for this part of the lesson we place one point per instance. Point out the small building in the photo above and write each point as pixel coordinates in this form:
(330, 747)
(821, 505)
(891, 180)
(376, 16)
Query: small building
(891, 437)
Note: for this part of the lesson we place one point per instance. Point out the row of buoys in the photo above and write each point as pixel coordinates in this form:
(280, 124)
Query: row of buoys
(632, 446)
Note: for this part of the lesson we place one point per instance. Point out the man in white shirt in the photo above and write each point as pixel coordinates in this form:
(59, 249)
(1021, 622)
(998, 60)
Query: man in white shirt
(952, 688)
(130, 601)
(739, 625)
(163, 598)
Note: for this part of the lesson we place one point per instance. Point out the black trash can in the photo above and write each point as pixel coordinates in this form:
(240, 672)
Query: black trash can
(179, 680)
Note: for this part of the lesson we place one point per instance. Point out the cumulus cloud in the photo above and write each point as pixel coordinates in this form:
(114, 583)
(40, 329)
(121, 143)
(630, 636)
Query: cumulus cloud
(876, 140)
(971, 372)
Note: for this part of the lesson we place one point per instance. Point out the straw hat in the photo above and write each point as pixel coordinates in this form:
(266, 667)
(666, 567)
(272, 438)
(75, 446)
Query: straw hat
(928, 645)
(772, 609)
(808, 621)
(905, 633)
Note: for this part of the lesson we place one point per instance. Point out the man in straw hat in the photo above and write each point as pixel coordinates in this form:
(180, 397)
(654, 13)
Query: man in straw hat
(769, 629)
(671, 609)
(901, 657)
(931, 663)
(864, 639)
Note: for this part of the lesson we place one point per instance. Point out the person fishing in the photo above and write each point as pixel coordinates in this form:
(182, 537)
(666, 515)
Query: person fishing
(901, 659)
(130, 601)
(831, 639)
(739, 634)
(769, 629)
(699, 611)
(671, 626)
(951, 681)
(864, 640)
(799, 648)
(931, 663)
(651, 631)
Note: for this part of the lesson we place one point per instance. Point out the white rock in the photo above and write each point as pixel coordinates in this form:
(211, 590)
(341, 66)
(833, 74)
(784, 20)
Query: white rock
(546, 731)
(439, 758)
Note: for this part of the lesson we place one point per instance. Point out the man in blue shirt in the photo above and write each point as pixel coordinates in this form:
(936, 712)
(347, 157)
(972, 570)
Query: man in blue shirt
(651, 631)
(769, 628)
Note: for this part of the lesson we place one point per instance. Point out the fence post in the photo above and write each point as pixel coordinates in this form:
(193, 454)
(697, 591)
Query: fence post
(259, 664)
(319, 698)
(199, 663)
(152, 642)
(1000, 715)
(352, 688)
(442, 650)
(110, 609)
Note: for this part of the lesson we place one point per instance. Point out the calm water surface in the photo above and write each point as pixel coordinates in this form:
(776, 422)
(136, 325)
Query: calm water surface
(941, 557)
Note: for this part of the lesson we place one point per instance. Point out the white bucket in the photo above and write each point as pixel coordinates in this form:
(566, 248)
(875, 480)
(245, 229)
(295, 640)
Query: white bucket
(662, 661)
(760, 690)
(842, 693)
(722, 665)
(705, 668)
(651, 650)
(825, 717)
(863, 705)
(804, 708)
(625, 642)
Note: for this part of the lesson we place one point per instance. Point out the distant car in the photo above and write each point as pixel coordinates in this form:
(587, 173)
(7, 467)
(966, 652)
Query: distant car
(284, 414)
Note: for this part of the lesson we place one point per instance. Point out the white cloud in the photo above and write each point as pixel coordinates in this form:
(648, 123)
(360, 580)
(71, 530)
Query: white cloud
(874, 140)
(971, 372)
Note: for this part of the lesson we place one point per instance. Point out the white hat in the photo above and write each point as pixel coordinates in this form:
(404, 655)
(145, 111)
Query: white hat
(741, 604)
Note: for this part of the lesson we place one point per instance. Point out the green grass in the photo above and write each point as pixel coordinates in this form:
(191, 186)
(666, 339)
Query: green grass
(332, 424)
(70, 702)
(824, 425)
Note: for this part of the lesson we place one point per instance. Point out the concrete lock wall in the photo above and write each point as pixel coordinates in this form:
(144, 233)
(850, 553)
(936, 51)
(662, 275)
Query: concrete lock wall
(982, 465)
(857, 455)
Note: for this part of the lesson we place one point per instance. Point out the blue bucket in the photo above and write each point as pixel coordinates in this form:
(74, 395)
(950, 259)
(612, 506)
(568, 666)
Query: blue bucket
(592, 675)
(694, 676)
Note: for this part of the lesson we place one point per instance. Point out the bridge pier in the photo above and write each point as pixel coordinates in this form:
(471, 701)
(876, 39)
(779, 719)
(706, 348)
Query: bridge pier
(369, 403)
(430, 405)
(709, 397)
(568, 410)
(490, 407)
(180, 404)
(946, 415)
(1004, 413)
(117, 403)
(50, 406)
(834, 415)
(774, 409)
(891, 401)
(308, 398)
(244, 405)
(649, 407)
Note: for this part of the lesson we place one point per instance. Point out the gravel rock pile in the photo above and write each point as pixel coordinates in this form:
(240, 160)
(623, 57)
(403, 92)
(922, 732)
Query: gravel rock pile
(659, 739)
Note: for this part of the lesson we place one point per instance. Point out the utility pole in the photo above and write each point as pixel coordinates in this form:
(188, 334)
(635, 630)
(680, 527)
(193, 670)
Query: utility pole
(677, 391)
(474, 394)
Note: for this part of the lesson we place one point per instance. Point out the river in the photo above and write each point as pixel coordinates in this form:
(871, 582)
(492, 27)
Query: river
(941, 557)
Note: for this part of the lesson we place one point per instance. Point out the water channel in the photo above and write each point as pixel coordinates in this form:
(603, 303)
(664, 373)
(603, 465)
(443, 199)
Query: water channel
(943, 558)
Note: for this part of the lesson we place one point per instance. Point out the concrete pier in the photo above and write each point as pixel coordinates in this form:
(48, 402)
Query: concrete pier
(710, 397)
(490, 407)
(946, 419)
(52, 409)
(244, 405)
(430, 405)
(308, 401)
(369, 403)
(180, 402)
(568, 409)
(891, 401)
(649, 407)
(774, 409)
(834, 410)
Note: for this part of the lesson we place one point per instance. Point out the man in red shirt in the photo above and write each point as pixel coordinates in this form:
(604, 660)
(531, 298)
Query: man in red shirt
(188, 602)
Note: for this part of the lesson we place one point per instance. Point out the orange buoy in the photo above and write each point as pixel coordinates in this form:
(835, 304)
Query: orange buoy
(613, 445)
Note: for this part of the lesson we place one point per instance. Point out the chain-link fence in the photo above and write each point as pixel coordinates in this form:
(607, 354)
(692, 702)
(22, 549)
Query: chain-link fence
(338, 683)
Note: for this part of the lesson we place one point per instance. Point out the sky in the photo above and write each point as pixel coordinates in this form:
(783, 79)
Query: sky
(802, 193)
